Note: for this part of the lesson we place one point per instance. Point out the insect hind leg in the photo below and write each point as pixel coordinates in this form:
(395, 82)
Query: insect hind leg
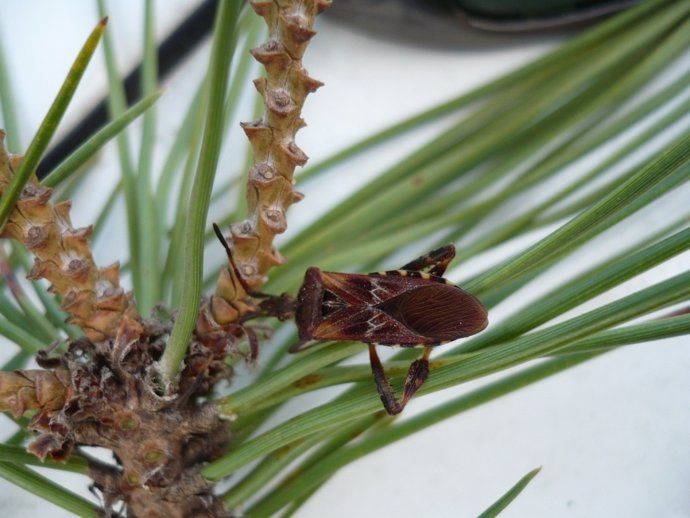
(435, 262)
(416, 376)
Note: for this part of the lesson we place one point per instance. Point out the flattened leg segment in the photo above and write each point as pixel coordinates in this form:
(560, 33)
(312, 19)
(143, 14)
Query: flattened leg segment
(435, 262)
(416, 376)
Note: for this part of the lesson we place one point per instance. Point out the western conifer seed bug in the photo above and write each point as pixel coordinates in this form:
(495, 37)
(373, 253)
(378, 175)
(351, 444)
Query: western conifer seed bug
(410, 307)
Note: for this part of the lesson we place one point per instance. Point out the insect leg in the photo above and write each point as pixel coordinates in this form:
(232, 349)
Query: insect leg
(302, 345)
(253, 341)
(435, 262)
(383, 386)
(416, 375)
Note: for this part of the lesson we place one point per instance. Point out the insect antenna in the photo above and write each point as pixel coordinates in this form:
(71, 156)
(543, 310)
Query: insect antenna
(235, 269)
(281, 307)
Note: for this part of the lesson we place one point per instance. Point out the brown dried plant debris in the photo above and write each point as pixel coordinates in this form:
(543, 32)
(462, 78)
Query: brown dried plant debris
(102, 391)
(101, 394)
(159, 443)
(270, 182)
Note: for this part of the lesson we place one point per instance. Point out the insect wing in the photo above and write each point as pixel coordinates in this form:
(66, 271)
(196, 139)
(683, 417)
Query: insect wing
(363, 290)
(441, 312)
(402, 307)
(367, 324)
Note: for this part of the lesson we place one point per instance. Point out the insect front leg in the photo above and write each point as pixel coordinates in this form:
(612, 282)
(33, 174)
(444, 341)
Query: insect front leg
(302, 345)
(435, 262)
(416, 376)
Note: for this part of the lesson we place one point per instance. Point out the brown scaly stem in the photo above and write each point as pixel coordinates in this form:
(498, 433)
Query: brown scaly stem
(92, 296)
(270, 182)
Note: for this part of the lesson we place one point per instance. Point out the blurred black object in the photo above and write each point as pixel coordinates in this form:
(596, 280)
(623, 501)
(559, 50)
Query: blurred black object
(537, 14)
(179, 43)
(451, 23)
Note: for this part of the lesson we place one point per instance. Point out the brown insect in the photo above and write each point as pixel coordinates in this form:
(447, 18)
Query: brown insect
(410, 307)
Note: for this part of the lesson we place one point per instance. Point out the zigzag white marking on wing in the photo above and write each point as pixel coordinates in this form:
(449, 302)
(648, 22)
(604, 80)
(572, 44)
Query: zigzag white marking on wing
(373, 325)
(376, 291)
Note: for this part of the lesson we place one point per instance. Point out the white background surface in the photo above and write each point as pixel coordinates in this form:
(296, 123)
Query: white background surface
(613, 436)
